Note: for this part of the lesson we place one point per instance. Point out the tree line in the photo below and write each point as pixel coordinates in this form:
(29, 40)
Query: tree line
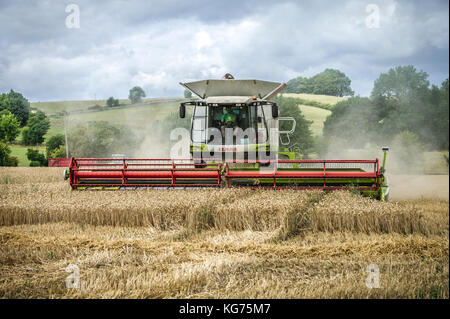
(329, 82)
(403, 109)
(16, 117)
(401, 100)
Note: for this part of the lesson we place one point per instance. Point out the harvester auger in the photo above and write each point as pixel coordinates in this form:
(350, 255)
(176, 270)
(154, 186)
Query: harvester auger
(235, 141)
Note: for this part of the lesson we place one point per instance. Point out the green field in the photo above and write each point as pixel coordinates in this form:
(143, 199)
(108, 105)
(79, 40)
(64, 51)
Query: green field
(56, 126)
(316, 115)
(20, 152)
(139, 114)
(71, 106)
(133, 116)
(325, 99)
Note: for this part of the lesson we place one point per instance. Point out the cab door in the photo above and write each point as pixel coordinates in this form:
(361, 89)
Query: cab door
(199, 123)
(261, 125)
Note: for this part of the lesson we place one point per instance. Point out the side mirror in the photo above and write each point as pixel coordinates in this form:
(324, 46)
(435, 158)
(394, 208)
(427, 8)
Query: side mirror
(182, 111)
(274, 110)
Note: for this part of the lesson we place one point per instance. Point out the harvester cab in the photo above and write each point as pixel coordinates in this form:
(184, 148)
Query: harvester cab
(234, 120)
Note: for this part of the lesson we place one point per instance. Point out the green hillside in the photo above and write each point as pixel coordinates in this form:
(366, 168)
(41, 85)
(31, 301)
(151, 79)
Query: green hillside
(133, 116)
(20, 152)
(325, 99)
(74, 106)
(317, 115)
(139, 114)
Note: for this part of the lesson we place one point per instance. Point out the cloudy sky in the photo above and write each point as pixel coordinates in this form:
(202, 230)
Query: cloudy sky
(156, 44)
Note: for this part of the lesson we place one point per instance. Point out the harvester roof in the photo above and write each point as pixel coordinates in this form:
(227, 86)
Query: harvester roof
(228, 88)
(229, 100)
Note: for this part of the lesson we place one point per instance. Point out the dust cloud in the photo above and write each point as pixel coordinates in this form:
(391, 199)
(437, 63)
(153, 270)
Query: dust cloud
(419, 186)
(406, 177)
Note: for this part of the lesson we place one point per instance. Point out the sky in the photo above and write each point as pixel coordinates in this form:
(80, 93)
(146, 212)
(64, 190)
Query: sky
(76, 50)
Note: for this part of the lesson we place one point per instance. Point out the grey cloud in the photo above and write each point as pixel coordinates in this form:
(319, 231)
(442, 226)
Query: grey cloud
(156, 44)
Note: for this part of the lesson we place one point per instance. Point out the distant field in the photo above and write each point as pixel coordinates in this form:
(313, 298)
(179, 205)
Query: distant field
(21, 153)
(56, 126)
(58, 106)
(326, 99)
(70, 106)
(316, 115)
(140, 114)
(134, 116)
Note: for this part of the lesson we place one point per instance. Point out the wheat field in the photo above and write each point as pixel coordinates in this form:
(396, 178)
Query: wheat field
(228, 243)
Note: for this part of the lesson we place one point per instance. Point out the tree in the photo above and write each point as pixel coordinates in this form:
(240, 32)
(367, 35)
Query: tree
(112, 102)
(4, 154)
(59, 152)
(329, 82)
(101, 139)
(302, 135)
(402, 111)
(437, 116)
(16, 104)
(26, 136)
(187, 94)
(9, 126)
(37, 126)
(54, 143)
(406, 103)
(36, 158)
(136, 94)
(5, 158)
(354, 120)
(399, 82)
(297, 85)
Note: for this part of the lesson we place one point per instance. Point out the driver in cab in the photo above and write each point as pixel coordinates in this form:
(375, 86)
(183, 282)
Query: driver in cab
(228, 120)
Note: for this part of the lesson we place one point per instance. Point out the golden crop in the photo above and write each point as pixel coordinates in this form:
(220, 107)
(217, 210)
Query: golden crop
(227, 243)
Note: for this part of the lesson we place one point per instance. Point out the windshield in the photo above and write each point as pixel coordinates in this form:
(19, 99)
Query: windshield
(231, 116)
(248, 121)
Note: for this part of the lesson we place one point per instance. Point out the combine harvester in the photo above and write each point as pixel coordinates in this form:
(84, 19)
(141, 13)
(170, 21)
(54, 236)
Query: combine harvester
(235, 141)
